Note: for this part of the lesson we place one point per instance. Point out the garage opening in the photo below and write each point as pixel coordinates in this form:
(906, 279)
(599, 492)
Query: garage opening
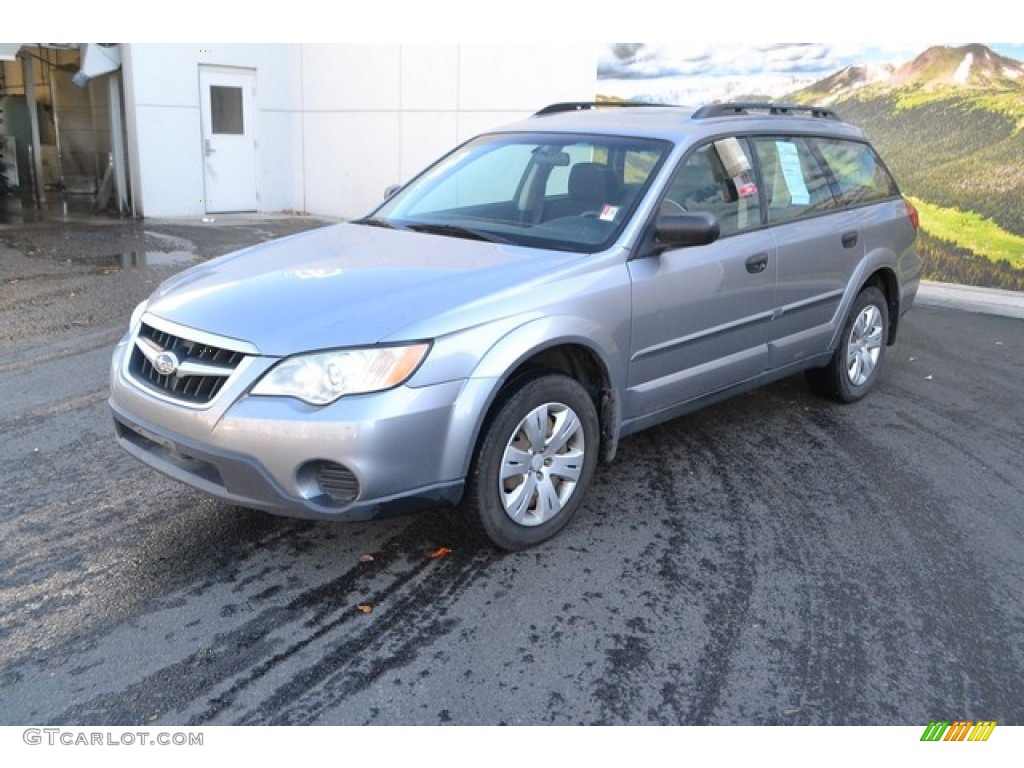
(61, 131)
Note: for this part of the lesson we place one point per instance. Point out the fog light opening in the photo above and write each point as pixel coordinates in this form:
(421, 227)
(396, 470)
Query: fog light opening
(328, 482)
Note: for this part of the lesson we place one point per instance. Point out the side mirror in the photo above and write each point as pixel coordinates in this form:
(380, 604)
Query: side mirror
(390, 191)
(686, 229)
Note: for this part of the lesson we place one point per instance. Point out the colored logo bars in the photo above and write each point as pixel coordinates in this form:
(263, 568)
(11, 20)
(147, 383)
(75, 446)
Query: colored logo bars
(959, 730)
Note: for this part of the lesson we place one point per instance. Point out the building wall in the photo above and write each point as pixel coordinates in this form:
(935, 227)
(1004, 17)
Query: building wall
(336, 124)
(161, 86)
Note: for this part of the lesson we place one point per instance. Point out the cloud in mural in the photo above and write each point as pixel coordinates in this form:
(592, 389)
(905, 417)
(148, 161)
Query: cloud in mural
(691, 74)
(641, 61)
(695, 74)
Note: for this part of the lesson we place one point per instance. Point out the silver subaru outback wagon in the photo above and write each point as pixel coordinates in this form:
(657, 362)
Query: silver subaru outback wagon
(494, 328)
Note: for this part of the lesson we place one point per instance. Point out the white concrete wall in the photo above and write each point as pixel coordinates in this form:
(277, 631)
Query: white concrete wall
(164, 124)
(401, 106)
(336, 124)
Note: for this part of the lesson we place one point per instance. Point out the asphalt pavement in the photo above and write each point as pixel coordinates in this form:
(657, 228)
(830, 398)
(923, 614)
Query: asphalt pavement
(775, 559)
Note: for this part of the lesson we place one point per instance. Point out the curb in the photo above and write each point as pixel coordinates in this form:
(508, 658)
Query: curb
(988, 301)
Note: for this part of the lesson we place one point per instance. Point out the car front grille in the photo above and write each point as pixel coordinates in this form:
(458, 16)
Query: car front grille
(200, 371)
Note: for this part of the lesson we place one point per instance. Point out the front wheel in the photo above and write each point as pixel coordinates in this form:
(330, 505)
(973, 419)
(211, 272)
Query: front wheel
(533, 463)
(853, 369)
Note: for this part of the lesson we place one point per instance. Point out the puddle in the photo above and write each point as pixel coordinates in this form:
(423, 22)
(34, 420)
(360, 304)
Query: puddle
(135, 259)
(169, 242)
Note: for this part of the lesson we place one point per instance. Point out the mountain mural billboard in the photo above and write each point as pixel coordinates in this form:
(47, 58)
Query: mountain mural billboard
(949, 121)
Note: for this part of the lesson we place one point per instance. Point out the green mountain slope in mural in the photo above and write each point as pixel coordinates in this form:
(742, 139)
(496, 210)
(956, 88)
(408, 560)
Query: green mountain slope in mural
(950, 124)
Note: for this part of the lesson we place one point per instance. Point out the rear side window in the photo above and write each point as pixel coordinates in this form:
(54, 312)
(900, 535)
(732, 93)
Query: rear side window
(859, 174)
(796, 183)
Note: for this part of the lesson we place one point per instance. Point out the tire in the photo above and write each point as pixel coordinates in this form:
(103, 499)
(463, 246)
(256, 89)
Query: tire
(533, 464)
(853, 369)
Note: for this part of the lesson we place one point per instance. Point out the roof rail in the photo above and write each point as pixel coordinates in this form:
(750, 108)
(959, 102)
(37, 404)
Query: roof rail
(744, 108)
(580, 106)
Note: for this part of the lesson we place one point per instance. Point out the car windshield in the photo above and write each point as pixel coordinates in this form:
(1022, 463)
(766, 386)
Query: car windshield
(564, 192)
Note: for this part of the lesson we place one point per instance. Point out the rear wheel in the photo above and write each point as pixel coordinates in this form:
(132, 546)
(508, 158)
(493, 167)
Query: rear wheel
(853, 369)
(534, 462)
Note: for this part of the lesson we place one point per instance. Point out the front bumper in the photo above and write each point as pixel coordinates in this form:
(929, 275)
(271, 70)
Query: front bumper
(270, 453)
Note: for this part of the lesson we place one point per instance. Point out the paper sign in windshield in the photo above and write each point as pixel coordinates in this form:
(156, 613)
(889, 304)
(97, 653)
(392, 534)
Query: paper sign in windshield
(789, 161)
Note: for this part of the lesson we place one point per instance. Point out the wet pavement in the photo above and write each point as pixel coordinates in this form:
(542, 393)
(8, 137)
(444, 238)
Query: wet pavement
(775, 559)
(53, 256)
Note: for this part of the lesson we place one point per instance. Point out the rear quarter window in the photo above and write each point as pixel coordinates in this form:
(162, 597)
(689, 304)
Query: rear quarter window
(860, 176)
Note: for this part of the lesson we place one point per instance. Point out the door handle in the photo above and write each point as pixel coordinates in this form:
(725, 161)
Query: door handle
(757, 263)
(209, 148)
(849, 239)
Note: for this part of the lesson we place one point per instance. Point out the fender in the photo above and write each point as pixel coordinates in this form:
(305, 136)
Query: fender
(895, 257)
(508, 354)
(879, 260)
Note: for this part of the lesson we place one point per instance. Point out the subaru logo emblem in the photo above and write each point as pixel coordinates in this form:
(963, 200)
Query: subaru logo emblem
(166, 363)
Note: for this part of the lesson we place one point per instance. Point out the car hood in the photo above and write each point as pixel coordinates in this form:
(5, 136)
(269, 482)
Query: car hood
(347, 285)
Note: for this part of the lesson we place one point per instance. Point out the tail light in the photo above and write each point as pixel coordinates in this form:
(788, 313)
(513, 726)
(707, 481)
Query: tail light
(915, 217)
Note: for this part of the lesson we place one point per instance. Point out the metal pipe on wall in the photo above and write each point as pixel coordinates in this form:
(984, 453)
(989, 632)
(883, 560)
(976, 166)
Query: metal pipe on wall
(33, 121)
(117, 142)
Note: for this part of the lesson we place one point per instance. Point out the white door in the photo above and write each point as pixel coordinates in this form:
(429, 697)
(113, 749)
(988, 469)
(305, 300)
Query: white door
(229, 139)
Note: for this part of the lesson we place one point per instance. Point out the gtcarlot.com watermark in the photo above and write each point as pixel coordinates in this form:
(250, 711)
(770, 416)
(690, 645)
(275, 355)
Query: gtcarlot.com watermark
(81, 738)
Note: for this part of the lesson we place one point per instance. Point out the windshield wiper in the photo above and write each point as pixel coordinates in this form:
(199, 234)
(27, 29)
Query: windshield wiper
(377, 222)
(454, 230)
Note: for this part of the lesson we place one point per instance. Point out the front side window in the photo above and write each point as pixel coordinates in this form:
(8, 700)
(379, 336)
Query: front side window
(544, 190)
(717, 178)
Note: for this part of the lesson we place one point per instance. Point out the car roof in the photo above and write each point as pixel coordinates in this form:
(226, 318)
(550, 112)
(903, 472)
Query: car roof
(680, 123)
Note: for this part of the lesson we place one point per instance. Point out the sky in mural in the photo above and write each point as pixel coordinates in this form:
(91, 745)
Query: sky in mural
(692, 74)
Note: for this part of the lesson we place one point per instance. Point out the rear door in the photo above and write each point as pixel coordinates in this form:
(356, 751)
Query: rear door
(821, 196)
(818, 247)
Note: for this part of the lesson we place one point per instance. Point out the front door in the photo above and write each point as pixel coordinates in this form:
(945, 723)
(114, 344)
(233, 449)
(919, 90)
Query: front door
(701, 314)
(229, 140)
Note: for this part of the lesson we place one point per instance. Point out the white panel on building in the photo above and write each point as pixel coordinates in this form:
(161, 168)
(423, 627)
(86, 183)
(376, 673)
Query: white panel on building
(335, 124)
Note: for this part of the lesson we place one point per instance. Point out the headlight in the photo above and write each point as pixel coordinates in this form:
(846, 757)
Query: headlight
(323, 377)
